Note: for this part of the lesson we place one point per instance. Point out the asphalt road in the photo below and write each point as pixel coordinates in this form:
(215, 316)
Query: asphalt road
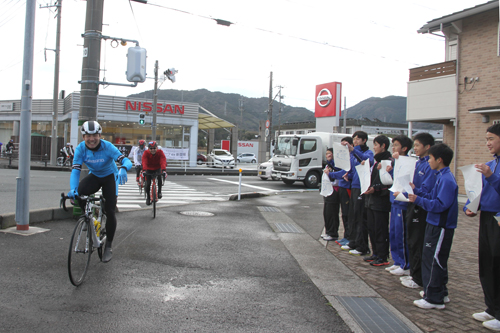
(177, 273)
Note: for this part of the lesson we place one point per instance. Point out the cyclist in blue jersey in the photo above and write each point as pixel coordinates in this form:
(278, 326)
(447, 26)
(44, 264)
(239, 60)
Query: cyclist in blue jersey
(99, 155)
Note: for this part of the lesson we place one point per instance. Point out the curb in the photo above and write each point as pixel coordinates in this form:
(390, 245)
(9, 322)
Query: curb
(234, 197)
(36, 216)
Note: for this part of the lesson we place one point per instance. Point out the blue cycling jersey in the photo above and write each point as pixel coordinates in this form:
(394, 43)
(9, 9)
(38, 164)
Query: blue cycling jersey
(100, 162)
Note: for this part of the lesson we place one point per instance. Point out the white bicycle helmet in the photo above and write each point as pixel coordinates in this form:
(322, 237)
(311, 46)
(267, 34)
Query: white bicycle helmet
(91, 127)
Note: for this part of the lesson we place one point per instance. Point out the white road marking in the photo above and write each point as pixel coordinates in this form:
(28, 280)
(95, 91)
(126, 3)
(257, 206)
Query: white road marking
(242, 184)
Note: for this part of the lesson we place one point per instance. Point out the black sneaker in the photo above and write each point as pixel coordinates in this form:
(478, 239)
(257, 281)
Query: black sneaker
(159, 195)
(148, 201)
(380, 262)
(370, 258)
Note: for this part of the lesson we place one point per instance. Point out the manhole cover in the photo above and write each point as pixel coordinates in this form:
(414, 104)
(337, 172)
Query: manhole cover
(197, 213)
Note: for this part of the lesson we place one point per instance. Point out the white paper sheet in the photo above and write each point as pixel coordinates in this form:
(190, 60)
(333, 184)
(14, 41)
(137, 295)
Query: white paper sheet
(385, 177)
(341, 156)
(404, 168)
(364, 174)
(473, 184)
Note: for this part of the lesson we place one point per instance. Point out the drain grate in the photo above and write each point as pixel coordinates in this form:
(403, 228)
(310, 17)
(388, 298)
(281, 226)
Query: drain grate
(372, 316)
(269, 209)
(287, 227)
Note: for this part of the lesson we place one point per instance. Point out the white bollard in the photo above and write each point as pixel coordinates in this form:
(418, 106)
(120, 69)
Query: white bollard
(239, 187)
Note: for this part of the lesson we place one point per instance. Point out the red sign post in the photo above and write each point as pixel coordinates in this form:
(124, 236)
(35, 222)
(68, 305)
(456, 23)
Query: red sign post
(328, 100)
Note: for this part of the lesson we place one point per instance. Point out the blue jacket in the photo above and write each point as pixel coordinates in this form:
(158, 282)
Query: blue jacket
(442, 202)
(490, 195)
(338, 174)
(100, 162)
(424, 177)
(357, 155)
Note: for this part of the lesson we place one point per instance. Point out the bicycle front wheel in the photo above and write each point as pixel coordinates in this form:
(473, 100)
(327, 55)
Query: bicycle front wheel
(102, 237)
(154, 197)
(80, 250)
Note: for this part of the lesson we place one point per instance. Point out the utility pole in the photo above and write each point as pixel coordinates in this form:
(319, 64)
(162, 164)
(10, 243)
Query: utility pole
(55, 96)
(270, 116)
(241, 113)
(155, 101)
(91, 61)
(279, 114)
(23, 179)
(345, 115)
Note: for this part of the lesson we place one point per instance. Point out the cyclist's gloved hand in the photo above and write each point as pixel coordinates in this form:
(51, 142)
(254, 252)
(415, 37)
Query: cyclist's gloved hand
(122, 176)
(72, 194)
(164, 173)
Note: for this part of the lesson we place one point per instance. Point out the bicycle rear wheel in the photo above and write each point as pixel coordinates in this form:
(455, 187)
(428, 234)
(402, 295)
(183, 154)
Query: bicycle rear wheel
(80, 250)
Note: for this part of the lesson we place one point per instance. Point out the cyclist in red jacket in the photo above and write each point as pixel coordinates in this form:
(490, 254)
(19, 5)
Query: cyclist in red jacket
(153, 160)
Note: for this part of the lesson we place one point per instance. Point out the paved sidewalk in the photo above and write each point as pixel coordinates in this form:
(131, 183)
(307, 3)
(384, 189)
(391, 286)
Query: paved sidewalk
(464, 287)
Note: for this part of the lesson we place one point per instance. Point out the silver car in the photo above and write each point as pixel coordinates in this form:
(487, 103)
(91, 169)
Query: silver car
(246, 158)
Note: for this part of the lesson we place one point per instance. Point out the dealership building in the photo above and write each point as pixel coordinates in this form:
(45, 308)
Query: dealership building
(177, 122)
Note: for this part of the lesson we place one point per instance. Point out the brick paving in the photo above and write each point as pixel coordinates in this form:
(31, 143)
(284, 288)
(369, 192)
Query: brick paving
(465, 290)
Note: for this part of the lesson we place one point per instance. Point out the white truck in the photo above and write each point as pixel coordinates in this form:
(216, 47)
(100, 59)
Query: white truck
(303, 157)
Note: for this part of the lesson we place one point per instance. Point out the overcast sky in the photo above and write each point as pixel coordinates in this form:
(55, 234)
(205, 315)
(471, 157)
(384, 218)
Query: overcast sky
(367, 45)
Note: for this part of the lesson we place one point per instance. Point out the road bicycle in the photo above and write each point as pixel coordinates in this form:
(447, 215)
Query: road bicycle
(64, 161)
(89, 234)
(141, 183)
(154, 189)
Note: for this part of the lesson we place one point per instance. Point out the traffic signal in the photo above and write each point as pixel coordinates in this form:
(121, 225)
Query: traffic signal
(170, 74)
(142, 121)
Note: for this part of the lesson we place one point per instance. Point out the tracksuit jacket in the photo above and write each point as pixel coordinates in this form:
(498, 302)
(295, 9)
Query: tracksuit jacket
(441, 203)
(358, 155)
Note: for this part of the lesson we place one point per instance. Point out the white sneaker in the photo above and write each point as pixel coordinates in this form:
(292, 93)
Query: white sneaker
(391, 268)
(400, 271)
(405, 277)
(323, 236)
(482, 316)
(493, 324)
(410, 284)
(346, 248)
(423, 304)
(446, 299)
(328, 238)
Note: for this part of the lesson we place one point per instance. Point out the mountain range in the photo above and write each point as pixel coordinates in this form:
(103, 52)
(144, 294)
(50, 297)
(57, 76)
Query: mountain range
(391, 109)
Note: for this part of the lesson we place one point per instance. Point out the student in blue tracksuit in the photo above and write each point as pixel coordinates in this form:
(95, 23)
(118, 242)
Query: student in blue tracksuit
(344, 197)
(416, 216)
(489, 232)
(358, 237)
(99, 155)
(442, 207)
(401, 145)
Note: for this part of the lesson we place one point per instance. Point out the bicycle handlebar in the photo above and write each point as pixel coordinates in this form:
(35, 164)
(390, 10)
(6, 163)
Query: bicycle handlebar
(81, 198)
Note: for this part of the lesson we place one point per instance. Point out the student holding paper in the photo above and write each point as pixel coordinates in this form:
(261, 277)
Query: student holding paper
(489, 232)
(401, 145)
(378, 205)
(416, 216)
(344, 195)
(331, 205)
(442, 207)
(358, 237)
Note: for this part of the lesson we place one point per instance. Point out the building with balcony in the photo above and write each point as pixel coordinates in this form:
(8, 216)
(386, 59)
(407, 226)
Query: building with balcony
(463, 92)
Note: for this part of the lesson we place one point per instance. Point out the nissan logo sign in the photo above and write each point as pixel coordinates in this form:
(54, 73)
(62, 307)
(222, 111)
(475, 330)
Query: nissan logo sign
(324, 98)
(279, 163)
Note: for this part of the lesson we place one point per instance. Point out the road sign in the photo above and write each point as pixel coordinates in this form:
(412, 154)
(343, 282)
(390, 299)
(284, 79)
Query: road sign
(267, 132)
(267, 124)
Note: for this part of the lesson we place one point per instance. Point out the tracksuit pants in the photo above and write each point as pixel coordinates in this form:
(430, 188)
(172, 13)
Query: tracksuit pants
(435, 256)
(378, 229)
(415, 225)
(489, 262)
(357, 222)
(397, 238)
(344, 205)
(331, 210)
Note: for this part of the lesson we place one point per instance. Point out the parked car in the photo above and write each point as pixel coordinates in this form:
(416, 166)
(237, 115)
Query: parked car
(220, 158)
(265, 169)
(246, 157)
(201, 159)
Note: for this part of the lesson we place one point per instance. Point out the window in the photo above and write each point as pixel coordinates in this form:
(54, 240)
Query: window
(307, 146)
